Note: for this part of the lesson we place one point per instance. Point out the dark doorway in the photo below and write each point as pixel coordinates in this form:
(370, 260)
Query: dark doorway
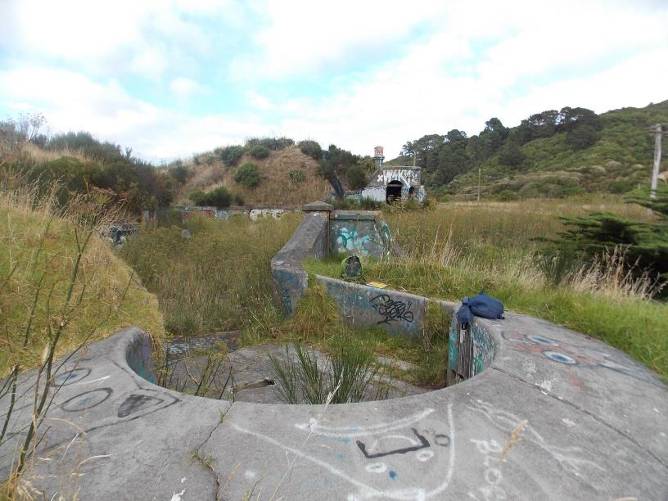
(393, 191)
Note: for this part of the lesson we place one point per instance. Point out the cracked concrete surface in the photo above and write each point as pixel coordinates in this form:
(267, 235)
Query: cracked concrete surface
(558, 415)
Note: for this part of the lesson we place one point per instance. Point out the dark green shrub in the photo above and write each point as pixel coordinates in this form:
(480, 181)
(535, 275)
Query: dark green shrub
(230, 155)
(297, 176)
(247, 175)
(356, 177)
(271, 143)
(259, 152)
(219, 198)
(311, 148)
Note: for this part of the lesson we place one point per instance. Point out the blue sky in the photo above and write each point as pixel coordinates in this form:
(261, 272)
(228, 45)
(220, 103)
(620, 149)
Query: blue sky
(174, 77)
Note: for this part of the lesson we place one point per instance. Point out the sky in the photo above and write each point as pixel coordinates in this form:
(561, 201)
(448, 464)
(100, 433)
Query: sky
(170, 78)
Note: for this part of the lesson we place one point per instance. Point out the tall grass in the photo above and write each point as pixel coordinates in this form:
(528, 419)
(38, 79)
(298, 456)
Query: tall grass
(348, 376)
(39, 244)
(457, 251)
(60, 287)
(213, 276)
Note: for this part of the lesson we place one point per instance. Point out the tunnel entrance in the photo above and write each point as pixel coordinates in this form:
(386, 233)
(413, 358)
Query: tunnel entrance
(393, 191)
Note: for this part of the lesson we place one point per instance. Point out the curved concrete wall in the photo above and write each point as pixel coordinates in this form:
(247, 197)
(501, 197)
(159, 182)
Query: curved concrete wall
(290, 279)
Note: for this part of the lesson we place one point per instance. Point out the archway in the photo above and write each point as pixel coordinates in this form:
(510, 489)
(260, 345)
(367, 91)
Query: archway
(393, 191)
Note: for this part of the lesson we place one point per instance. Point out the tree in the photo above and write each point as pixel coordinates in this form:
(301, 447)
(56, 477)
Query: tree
(453, 157)
(582, 136)
(335, 162)
(511, 155)
(492, 137)
(356, 177)
(311, 148)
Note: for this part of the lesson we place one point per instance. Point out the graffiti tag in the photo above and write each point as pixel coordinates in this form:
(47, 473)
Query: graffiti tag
(391, 310)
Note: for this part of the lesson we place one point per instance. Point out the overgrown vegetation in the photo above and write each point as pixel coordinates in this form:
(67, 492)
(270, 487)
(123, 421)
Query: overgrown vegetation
(80, 164)
(219, 198)
(60, 288)
(550, 154)
(218, 278)
(348, 376)
(460, 249)
(248, 175)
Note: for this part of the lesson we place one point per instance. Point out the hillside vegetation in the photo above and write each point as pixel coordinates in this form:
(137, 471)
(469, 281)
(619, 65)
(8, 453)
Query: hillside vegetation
(287, 178)
(550, 154)
(458, 250)
(40, 246)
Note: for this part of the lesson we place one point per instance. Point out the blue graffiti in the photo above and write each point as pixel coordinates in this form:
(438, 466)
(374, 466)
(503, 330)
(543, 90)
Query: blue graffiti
(351, 240)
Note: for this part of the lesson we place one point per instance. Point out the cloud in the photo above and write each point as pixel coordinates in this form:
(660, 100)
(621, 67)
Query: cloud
(353, 74)
(184, 87)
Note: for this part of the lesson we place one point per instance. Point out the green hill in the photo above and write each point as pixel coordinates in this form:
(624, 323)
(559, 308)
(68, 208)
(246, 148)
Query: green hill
(547, 155)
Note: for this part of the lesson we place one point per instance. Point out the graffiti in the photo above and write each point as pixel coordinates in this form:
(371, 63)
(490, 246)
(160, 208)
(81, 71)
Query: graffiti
(135, 403)
(332, 449)
(577, 356)
(406, 176)
(569, 458)
(86, 400)
(70, 377)
(350, 239)
(418, 444)
(492, 452)
(391, 310)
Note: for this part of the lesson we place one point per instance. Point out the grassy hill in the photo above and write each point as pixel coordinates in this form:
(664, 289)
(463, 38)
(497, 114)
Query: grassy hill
(277, 187)
(620, 160)
(39, 247)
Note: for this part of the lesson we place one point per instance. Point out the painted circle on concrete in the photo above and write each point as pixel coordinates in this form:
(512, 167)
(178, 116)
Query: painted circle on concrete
(548, 341)
(423, 456)
(86, 400)
(562, 358)
(376, 468)
(70, 377)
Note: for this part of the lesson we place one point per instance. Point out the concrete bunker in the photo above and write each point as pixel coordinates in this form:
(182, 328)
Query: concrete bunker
(393, 191)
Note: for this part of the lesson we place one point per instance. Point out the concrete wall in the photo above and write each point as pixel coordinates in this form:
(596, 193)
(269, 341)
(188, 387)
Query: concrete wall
(323, 232)
(363, 233)
(469, 351)
(310, 240)
(365, 306)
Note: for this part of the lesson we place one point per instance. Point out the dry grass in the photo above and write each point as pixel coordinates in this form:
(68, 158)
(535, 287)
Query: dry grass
(275, 189)
(38, 245)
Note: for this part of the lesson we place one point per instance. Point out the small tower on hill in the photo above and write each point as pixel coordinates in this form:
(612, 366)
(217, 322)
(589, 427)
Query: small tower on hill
(378, 156)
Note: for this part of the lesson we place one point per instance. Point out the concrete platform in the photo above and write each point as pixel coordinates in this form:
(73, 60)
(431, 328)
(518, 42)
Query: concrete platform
(557, 415)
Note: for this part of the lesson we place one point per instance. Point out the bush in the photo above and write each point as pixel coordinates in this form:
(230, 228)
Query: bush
(230, 155)
(311, 148)
(356, 177)
(259, 152)
(271, 143)
(247, 175)
(219, 198)
(238, 199)
(297, 176)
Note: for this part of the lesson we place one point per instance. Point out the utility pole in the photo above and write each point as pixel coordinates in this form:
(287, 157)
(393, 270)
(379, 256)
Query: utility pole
(658, 132)
(479, 176)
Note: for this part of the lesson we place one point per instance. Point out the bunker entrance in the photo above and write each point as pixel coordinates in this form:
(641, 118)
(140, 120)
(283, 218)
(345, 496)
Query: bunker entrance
(393, 191)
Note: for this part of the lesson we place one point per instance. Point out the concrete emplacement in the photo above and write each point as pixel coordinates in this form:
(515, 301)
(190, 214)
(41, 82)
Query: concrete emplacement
(552, 414)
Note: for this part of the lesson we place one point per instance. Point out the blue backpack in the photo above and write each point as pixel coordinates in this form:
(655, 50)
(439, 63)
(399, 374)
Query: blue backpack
(481, 305)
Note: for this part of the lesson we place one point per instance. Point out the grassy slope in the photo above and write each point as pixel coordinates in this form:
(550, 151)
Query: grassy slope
(275, 190)
(111, 300)
(619, 161)
(458, 250)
